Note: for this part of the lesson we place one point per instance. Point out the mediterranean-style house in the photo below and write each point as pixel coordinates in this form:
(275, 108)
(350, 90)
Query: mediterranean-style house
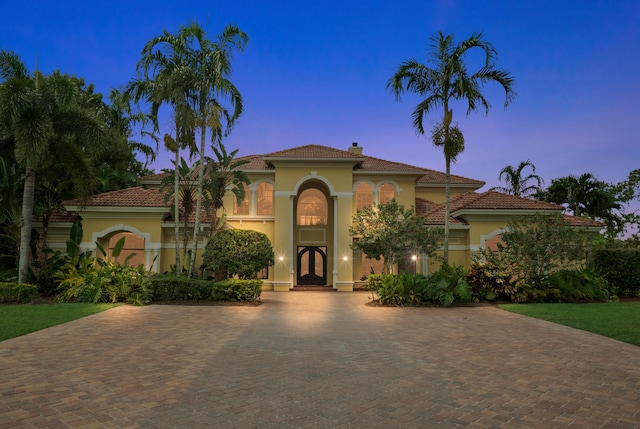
(304, 199)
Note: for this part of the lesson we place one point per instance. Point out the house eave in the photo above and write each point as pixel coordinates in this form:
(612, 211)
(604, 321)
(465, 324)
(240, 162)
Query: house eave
(501, 212)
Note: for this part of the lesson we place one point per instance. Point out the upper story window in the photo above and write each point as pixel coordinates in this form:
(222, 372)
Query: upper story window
(265, 198)
(364, 195)
(386, 193)
(243, 207)
(312, 208)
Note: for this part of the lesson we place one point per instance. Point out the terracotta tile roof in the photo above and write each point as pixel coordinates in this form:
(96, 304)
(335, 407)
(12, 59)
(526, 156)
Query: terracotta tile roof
(63, 216)
(583, 222)
(492, 200)
(376, 164)
(423, 206)
(136, 197)
(367, 164)
(437, 178)
(489, 200)
(153, 177)
(314, 151)
(498, 200)
(130, 197)
(256, 163)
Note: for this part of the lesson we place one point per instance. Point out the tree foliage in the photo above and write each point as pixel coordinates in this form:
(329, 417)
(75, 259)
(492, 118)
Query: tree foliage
(50, 119)
(391, 232)
(238, 252)
(538, 244)
(589, 197)
(442, 81)
(515, 183)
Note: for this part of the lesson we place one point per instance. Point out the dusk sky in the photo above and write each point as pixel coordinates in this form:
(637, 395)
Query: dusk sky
(315, 72)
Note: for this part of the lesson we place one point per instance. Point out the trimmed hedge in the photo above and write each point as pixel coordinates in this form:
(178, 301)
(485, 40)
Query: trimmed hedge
(237, 290)
(17, 293)
(182, 289)
(621, 268)
(171, 288)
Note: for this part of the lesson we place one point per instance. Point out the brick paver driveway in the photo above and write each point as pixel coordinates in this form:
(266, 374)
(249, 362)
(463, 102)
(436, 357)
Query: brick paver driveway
(317, 360)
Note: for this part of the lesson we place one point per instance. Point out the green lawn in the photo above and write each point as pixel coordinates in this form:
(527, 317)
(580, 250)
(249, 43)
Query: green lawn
(618, 320)
(16, 320)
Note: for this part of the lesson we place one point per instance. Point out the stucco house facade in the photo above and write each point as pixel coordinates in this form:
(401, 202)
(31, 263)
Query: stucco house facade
(304, 199)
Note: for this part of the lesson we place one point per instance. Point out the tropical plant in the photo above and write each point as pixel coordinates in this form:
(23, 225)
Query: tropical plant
(47, 116)
(164, 76)
(211, 64)
(515, 183)
(391, 232)
(443, 81)
(187, 194)
(588, 197)
(448, 286)
(85, 278)
(223, 174)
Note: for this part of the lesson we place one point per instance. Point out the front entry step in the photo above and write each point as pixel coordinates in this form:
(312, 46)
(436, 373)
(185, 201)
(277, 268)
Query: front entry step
(313, 288)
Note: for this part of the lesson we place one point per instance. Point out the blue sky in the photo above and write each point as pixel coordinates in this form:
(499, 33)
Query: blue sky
(315, 72)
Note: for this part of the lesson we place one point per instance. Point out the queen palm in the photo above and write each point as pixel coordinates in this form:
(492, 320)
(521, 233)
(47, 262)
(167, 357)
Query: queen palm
(46, 116)
(443, 80)
(515, 183)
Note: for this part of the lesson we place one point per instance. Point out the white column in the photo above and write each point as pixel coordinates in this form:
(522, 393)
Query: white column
(335, 242)
(292, 256)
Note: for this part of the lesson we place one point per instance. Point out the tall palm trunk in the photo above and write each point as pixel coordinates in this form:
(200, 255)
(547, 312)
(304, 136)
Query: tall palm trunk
(176, 204)
(26, 224)
(448, 117)
(447, 208)
(196, 227)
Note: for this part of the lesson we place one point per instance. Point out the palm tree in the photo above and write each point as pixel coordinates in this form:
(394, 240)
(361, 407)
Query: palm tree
(165, 77)
(46, 116)
(188, 190)
(211, 64)
(223, 175)
(516, 184)
(443, 81)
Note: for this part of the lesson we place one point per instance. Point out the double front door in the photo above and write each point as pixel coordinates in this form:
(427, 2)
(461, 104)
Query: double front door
(312, 265)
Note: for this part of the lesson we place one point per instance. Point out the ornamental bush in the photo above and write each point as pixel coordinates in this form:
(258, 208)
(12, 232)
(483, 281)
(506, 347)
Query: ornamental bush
(173, 288)
(238, 252)
(621, 268)
(17, 293)
(237, 290)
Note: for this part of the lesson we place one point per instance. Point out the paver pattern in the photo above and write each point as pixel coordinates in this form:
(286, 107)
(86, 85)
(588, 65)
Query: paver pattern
(316, 360)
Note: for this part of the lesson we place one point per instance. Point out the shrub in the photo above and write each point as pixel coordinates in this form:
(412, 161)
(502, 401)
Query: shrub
(239, 252)
(445, 287)
(492, 277)
(621, 269)
(448, 286)
(398, 289)
(575, 286)
(17, 293)
(173, 288)
(237, 290)
(80, 280)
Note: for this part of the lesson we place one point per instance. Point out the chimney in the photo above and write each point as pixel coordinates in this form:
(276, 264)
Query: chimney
(354, 148)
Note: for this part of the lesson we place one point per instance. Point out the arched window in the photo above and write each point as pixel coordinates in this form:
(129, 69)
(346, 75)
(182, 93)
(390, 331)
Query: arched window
(243, 208)
(364, 195)
(265, 198)
(387, 193)
(312, 208)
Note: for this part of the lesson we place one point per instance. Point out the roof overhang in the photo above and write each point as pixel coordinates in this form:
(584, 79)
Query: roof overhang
(501, 212)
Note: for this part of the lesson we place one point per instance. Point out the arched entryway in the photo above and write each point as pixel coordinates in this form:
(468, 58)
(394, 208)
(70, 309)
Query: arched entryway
(313, 236)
